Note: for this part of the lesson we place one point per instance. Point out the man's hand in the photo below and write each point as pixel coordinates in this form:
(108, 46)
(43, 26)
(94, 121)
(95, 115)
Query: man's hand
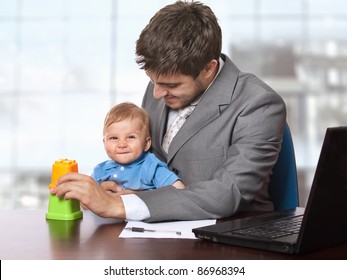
(90, 194)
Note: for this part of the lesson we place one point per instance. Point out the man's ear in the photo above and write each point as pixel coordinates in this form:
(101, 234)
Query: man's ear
(148, 143)
(210, 68)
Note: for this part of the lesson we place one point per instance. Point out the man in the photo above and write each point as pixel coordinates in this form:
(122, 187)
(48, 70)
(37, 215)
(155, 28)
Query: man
(224, 151)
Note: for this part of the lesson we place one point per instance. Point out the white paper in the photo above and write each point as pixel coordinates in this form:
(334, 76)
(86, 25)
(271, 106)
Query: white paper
(165, 230)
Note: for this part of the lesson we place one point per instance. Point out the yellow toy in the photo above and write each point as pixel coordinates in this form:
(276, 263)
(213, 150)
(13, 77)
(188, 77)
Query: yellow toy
(59, 208)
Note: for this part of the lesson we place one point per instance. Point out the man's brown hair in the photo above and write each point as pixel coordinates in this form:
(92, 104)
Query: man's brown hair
(181, 38)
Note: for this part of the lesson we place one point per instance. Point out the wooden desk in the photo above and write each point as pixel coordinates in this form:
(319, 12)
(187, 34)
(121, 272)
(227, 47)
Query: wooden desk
(26, 234)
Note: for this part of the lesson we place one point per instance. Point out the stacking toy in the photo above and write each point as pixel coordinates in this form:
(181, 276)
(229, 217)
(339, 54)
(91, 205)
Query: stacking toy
(59, 208)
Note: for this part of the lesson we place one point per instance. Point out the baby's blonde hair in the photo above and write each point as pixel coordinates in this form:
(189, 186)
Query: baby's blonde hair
(127, 111)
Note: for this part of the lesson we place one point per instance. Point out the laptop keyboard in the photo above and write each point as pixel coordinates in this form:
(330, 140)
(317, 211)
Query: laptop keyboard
(272, 230)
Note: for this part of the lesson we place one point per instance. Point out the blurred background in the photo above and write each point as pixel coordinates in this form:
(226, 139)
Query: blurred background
(64, 63)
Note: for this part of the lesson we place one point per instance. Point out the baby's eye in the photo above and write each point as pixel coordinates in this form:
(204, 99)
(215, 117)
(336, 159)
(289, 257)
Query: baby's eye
(132, 137)
(113, 138)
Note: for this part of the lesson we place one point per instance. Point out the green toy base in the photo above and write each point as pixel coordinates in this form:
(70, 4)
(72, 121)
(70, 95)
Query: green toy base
(64, 217)
(61, 209)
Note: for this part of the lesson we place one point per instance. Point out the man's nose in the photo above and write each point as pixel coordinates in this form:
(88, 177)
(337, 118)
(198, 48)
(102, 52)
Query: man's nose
(159, 91)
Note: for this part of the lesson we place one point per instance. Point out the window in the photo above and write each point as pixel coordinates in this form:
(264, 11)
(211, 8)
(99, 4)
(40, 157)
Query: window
(64, 63)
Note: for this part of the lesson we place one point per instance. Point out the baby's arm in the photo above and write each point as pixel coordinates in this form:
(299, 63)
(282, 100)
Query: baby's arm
(160, 175)
(179, 185)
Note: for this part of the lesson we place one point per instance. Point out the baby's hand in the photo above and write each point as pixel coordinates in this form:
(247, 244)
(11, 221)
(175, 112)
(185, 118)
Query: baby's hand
(110, 186)
(179, 185)
(113, 188)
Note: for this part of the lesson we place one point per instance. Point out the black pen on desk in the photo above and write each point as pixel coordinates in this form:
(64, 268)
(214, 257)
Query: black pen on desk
(140, 229)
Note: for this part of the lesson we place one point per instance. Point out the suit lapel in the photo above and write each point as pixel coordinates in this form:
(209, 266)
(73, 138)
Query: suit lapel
(195, 122)
(162, 127)
(208, 109)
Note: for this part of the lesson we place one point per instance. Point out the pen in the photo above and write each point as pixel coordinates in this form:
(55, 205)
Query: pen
(140, 229)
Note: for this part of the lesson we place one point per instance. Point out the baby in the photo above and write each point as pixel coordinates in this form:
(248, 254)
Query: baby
(127, 141)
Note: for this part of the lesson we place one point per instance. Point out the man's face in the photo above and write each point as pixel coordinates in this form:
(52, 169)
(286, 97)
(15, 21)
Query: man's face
(177, 90)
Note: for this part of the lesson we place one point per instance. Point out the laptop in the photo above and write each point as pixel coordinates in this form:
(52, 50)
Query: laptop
(322, 224)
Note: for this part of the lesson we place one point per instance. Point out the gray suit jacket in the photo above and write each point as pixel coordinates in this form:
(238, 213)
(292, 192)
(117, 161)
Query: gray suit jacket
(225, 151)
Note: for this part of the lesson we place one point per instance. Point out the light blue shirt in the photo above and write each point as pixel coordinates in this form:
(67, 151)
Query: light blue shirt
(146, 172)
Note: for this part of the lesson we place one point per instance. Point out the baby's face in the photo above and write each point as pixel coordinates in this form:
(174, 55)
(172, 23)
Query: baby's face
(125, 140)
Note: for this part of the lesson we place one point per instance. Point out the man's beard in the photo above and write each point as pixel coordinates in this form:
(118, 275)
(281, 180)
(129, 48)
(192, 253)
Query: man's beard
(199, 90)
